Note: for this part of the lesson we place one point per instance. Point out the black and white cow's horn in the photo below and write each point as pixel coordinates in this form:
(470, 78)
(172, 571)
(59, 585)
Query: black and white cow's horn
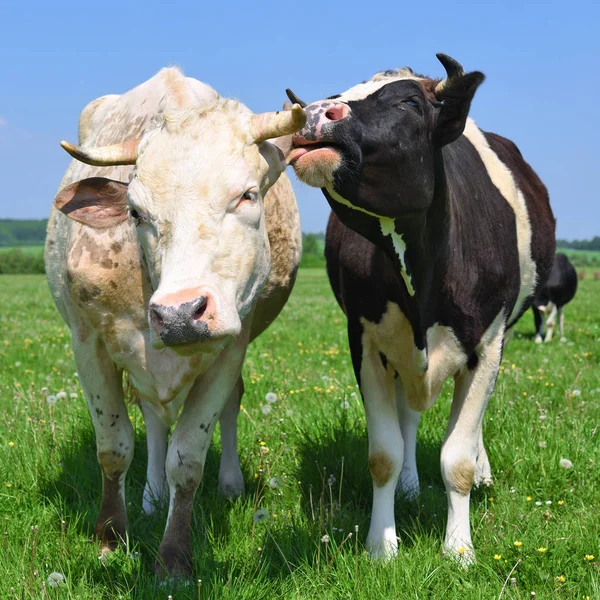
(453, 70)
(294, 99)
(105, 156)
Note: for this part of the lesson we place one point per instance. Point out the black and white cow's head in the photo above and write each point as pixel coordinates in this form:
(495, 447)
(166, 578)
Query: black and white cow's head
(375, 148)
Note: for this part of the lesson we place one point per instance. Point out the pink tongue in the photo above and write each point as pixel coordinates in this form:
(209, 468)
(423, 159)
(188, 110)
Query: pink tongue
(296, 154)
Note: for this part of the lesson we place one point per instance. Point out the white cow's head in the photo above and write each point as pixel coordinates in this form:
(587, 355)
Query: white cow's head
(196, 198)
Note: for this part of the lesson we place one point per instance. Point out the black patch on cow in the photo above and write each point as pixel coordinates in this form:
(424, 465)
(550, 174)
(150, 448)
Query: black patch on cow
(384, 360)
(472, 361)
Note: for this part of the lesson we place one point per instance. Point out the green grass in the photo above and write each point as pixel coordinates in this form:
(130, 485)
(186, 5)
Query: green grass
(37, 249)
(547, 395)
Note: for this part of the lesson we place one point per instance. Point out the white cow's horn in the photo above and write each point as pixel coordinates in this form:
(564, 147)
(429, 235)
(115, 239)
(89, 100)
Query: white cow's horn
(275, 124)
(454, 70)
(105, 156)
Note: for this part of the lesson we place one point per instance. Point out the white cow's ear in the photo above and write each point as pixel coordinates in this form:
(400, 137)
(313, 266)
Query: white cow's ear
(276, 159)
(97, 202)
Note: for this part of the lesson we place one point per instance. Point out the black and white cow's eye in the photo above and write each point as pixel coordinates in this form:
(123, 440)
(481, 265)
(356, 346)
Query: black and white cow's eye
(135, 215)
(412, 102)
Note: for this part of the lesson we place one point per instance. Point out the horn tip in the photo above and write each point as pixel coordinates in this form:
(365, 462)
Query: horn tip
(70, 148)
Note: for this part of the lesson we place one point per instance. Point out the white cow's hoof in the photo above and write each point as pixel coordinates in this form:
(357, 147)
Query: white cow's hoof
(538, 339)
(231, 485)
(483, 474)
(154, 498)
(383, 547)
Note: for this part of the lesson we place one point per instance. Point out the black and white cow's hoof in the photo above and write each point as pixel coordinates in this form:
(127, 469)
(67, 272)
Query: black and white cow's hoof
(231, 486)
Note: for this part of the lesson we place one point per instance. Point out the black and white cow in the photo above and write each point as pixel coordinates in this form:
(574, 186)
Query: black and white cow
(438, 235)
(552, 297)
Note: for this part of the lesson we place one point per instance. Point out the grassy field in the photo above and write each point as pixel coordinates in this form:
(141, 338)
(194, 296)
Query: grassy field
(304, 459)
(25, 249)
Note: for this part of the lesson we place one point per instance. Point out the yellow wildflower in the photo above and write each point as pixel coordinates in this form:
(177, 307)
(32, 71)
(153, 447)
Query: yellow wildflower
(497, 556)
(11, 443)
(529, 498)
(518, 544)
(561, 502)
(589, 557)
(561, 578)
(542, 549)
(462, 550)
(8, 484)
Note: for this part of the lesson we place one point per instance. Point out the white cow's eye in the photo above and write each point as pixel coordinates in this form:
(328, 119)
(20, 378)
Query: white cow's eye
(136, 216)
(250, 195)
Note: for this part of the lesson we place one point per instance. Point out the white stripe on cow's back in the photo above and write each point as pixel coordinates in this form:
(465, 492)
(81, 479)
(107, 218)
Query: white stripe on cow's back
(503, 179)
(387, 226)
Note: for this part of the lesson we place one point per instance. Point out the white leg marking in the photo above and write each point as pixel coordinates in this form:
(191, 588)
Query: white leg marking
(155, 490)
(408, 483)
(231, 480)
(550, 323)
(459, 450)
(561, 320)
(386, 449)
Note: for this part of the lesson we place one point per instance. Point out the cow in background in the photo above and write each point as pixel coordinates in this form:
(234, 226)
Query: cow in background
(169, 277)
(438, 237)
(551, 298)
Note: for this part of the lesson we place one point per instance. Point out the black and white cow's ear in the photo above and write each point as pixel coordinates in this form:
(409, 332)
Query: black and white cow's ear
(456, 98)
(97, 202)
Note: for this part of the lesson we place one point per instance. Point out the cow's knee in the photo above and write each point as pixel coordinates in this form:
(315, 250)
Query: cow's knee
(458, 471)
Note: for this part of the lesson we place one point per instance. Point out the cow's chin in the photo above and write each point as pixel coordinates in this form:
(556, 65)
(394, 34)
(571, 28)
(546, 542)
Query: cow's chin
(316, 166)
(211, 346)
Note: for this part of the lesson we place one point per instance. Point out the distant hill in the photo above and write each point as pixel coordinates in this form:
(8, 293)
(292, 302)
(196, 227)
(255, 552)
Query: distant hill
(22, 232)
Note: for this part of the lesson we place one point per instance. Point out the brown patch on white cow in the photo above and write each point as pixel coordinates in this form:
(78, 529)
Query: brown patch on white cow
(381, 467)
(111, 525)
(461, 475)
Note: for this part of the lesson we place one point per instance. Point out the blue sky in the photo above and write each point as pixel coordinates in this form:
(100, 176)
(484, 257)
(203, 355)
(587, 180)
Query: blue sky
(541, 59)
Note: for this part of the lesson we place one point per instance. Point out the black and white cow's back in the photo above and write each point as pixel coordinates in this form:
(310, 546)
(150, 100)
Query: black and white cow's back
(438, 237)
(551, 297)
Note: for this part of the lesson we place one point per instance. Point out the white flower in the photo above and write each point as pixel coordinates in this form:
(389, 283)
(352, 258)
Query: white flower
(55, 579)
(542, 444)
(565, 463)
(325, 377)
(345, 405)
(274, 483)
(563, 340)
(538, 503)
(331, 480)
(260, 515)
(271, 397)
(44, 390)
(51, 400)
(353, 395)
(548, 502)
(73, 395)
(324, 362)
(576, 393)
(266, 409)
(325, 539)
(289, 412)
(18, 364)
(61, 395)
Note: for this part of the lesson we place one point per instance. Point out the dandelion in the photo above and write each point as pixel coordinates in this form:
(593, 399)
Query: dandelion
(542, 550)
(529, 498)
(51, 400)
(589, 557)
(8, 484)
(576, 393)
(73, 395)
(264, 450)
(565, 463)
(266, 409)
(17, 364)
(56, 579)
(331, 480)
(61, 395)
(11, 443)
(561, 578)
(518, 544)
(563, 340)
(274, 483)
(561, 502)
(325, 377)
(325, 539)
(542, 444)
(491, 499)
(462, 550)
(271, 397)
(497, 556)
(345, 405)
(260, 515)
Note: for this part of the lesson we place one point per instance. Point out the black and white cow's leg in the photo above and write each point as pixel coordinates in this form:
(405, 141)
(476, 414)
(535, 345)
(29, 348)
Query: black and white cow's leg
(561, 319)
(187, 450)
(408, 483)
(231, 480)
(539, 324)
(156, 492)
(472, 390)
(102, 383)
(550, 323)
(483, 470)
(386, 447)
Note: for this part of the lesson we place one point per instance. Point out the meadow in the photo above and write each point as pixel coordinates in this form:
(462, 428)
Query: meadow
(300, 530)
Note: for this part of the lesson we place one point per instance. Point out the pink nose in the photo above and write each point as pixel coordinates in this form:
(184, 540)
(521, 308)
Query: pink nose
(337, 112)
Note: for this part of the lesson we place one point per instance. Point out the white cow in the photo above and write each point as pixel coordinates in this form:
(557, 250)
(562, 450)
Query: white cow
(168, 278)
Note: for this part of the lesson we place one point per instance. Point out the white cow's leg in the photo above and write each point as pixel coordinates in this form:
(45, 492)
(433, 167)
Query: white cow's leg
(473, 388)
(231, 480)
(483, 471)
(561, 320)
(408, 483)
(550, 324)
(187, 450)
(102, 384)
(386, 448)
(155, 490)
